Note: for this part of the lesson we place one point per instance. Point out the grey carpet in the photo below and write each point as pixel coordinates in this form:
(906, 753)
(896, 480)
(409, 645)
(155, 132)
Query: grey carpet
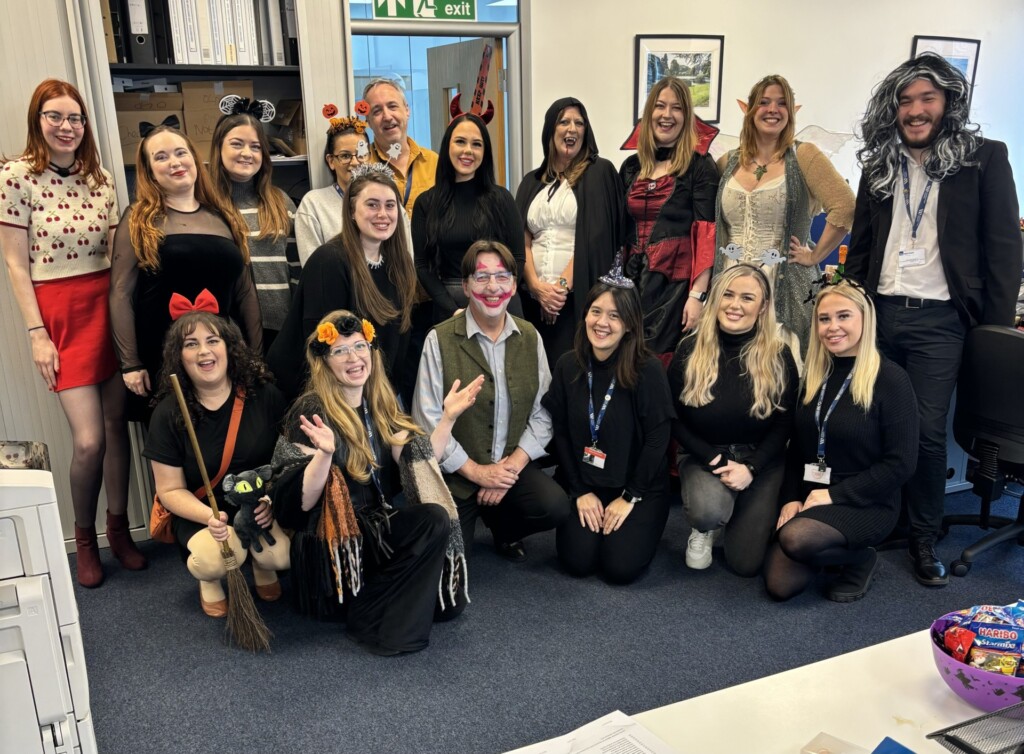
(536, 654)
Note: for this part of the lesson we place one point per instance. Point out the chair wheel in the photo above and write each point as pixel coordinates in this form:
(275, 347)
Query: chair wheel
(959, 568)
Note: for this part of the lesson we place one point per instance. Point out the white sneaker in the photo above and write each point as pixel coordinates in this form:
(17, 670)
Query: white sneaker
(698, 549)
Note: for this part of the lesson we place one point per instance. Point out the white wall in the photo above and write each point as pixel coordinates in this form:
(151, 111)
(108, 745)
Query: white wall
(832, 53)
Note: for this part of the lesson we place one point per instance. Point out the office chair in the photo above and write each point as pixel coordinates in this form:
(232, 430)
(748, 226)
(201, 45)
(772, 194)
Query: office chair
(989, 425)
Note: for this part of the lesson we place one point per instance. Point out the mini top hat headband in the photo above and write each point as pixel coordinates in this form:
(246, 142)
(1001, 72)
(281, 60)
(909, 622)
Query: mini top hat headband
(179, 305)
(260, 109)
(328, 332)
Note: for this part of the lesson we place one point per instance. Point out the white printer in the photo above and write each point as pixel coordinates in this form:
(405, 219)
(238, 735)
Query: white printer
(44, 690)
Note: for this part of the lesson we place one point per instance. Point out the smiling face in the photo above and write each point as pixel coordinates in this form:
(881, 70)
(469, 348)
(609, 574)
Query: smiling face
(205, 358)
(840, 324)
(922, 105)
(345, 156)
(62, 140)
(570, 130)
(741, 304)
(375, 211)
(667, 118)
(351, 360)
(466, 150)
(241, 153)
(389, 114)
(772, 114)
(171, 162)
(489, 295)
(604, 326)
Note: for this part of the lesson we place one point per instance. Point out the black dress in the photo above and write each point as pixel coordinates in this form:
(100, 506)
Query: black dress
(634, 434)
(871, 454)
(402, 561)
(326, 284)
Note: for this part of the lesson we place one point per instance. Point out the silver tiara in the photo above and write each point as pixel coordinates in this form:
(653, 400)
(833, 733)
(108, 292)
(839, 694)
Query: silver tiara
(615, 277)
(373, 168)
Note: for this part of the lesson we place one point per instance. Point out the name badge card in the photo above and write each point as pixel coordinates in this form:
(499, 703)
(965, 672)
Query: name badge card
(814, 473)
(911, 258)
(594, 457)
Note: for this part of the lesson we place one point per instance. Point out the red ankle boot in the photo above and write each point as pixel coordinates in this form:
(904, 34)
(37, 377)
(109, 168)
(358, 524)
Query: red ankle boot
(121, 544)
(90, 572)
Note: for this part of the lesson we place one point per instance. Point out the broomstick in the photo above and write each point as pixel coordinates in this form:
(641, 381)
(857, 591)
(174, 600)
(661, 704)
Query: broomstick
(245, 626)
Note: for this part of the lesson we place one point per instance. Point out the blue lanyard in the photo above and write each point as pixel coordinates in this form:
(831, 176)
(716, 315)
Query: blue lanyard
(914, 219)
(820, 423)
(373, 451)
(408, 186)
(338, 189)
(595, 425)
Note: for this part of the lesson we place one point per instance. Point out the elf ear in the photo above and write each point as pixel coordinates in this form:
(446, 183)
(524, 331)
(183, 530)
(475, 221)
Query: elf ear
(743, 106)
(797, 109)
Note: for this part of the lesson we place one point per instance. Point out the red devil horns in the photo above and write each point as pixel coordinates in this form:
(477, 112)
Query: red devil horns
(456, 110)
(205, 302)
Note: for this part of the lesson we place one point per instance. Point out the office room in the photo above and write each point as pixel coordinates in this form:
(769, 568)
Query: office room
(537, 652)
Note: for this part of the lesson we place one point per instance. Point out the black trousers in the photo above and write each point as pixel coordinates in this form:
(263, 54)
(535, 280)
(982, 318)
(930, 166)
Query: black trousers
(622, 555)
(535, 503)
(395, 608)
(928, 343)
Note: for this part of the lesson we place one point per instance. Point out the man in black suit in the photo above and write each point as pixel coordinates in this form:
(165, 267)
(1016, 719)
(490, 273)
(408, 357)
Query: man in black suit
(936, 240)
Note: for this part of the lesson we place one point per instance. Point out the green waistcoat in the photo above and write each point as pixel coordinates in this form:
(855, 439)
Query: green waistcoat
(463, 359)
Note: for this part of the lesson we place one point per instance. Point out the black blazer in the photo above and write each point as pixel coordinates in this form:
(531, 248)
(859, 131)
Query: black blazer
(979, 239)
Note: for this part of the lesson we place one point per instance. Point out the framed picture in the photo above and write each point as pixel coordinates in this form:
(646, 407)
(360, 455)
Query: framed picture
(694, 58)
(960, 53)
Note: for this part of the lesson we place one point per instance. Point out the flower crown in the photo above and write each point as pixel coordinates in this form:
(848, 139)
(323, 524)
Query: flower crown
(328, 332)
(373, 168)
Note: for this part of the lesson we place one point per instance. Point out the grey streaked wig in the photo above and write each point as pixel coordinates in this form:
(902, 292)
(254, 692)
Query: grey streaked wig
(955, 144)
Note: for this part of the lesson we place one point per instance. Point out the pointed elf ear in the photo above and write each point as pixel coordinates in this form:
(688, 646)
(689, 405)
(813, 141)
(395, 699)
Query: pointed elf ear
(797, 109)
(743, 106)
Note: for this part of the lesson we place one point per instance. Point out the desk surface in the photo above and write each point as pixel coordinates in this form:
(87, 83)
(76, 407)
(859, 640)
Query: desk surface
(891, 689)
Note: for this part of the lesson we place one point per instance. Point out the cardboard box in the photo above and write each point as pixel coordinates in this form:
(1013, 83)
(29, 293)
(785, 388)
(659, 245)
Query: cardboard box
(291, 126)
(202, 108)
(143, 107)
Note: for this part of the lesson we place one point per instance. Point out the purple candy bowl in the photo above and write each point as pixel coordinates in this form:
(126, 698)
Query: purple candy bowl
(980, 688)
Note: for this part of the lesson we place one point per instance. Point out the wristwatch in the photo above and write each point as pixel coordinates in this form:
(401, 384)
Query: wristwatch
(701, 296)
(631, 499)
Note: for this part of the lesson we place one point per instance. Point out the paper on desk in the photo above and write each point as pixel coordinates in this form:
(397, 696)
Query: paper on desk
(615, 733)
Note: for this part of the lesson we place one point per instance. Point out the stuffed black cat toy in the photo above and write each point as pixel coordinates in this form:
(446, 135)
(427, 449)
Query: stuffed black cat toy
(245, 490)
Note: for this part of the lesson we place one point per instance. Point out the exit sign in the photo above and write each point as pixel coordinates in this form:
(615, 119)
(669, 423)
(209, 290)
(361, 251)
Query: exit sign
(433, 10)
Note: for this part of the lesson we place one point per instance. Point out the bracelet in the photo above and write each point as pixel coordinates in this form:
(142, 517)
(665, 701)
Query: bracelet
(37, 327)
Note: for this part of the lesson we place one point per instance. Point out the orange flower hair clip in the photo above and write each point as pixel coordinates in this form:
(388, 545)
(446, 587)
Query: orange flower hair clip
(327, 333)
(369, 332)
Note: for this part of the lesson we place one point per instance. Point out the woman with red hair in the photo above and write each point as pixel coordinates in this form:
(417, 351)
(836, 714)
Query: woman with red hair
(58, 211)
(181, 236)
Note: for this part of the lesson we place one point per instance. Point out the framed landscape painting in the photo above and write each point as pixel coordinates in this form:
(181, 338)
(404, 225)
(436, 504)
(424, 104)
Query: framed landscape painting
(696, 59)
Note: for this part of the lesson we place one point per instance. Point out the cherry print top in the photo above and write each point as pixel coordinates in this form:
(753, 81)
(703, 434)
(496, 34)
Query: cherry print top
(67, 219)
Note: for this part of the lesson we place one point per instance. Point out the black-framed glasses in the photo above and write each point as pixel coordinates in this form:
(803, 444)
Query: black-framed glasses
(75, 120)
(483, 278)
(345, 157)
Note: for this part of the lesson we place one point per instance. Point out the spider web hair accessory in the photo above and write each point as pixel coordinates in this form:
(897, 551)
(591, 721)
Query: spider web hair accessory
(260, 109)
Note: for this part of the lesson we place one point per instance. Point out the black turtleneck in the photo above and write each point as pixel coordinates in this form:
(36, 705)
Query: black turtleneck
(634, 433)
(727, 420)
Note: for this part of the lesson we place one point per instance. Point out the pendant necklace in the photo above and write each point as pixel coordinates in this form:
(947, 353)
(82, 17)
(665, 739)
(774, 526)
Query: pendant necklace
(760, 170)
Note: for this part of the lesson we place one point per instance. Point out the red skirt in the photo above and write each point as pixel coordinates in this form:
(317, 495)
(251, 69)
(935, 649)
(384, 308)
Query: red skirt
(76, 312)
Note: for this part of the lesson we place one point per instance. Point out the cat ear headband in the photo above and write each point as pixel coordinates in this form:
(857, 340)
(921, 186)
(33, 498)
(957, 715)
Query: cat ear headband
(260, 109)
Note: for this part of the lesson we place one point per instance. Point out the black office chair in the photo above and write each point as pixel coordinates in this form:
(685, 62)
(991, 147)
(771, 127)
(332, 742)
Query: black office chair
(989, 425)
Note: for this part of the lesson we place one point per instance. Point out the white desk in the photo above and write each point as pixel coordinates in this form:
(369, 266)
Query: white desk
(891, 689)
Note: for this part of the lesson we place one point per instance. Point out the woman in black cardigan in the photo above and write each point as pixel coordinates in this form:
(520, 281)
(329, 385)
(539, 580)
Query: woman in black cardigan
(854, 445)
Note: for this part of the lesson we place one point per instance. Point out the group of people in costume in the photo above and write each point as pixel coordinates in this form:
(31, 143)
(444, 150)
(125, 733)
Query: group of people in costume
(584, 341)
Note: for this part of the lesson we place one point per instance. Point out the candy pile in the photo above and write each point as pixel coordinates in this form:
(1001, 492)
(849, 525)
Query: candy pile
(989, 637)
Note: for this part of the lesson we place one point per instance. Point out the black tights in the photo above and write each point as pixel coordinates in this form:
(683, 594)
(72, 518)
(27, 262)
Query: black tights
(803, 546)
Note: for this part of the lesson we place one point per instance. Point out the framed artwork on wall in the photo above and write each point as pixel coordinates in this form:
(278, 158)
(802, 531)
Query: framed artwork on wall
(694, 58)
(960, 53)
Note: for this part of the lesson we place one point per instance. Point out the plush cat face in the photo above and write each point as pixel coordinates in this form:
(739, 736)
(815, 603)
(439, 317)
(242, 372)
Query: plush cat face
(247, 485)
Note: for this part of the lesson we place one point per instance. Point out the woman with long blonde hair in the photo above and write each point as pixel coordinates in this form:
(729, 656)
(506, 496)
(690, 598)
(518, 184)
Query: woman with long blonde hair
(670, 203)
(853, 446)
(60, 211)
(736, 385)
(770, 189)
(362, 478)
(181, 236)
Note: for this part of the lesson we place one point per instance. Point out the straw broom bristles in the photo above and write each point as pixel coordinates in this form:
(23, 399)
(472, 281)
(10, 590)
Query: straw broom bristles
(244, 626)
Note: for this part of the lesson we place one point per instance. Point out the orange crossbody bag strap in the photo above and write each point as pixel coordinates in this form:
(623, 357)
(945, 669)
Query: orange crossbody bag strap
(229, 444)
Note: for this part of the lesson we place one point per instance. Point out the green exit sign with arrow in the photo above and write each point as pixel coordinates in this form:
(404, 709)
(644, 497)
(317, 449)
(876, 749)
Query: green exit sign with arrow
(433, 10)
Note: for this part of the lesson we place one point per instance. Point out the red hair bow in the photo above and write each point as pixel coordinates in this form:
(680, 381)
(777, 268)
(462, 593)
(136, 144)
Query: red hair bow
(205, 302)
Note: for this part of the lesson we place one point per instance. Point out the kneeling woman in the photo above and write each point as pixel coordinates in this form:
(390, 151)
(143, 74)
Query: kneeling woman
(611, 412)
(854, 445)
(349, 453)
(736, 383)
(236, 412)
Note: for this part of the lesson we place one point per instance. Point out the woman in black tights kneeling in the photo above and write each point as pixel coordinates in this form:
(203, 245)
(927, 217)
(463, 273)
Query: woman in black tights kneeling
(854, 445)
